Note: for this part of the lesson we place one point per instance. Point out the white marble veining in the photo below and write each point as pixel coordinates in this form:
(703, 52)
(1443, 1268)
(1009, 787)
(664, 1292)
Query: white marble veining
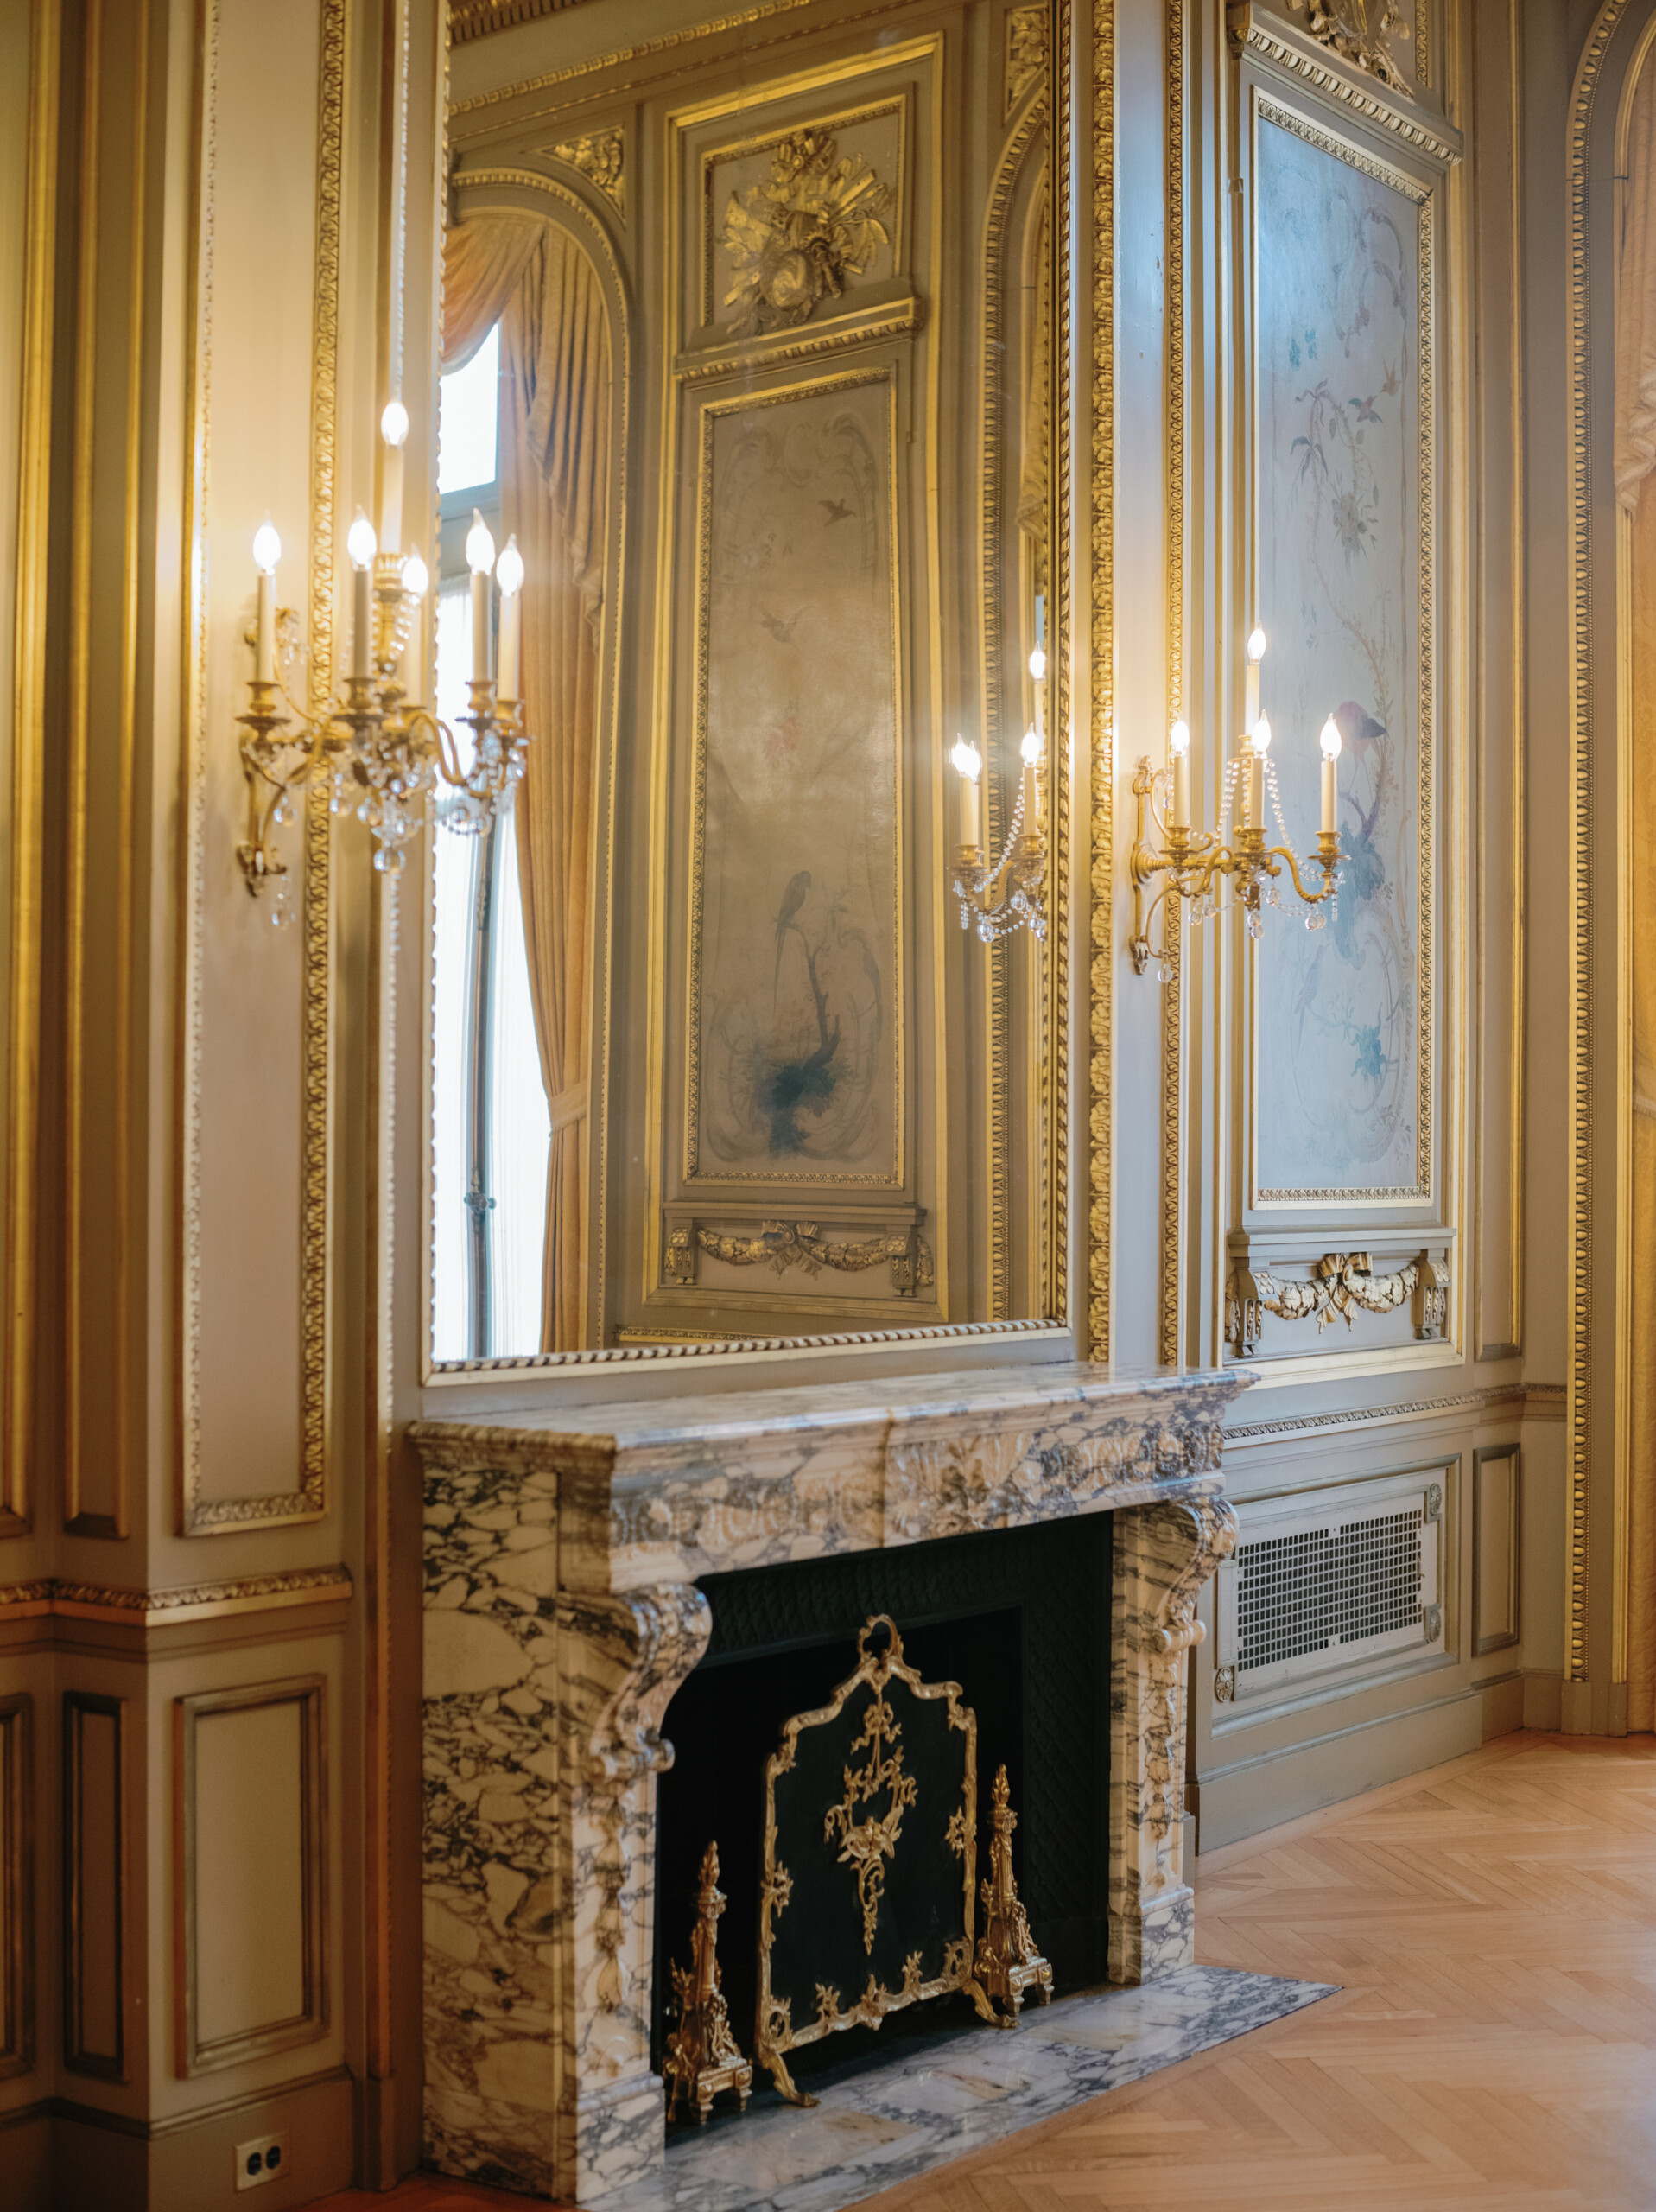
(562, 1615)
(668, 1491)
(952, 2093)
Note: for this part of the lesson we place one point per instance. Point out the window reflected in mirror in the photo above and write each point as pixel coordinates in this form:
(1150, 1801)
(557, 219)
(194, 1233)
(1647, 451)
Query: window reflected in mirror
(750, 360)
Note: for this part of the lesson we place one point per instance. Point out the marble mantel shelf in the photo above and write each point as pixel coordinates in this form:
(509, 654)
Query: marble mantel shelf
(562, 1553)
(680, 1488)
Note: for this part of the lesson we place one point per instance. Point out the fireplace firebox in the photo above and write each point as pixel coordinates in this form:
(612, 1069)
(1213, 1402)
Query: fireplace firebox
(1020, 1618)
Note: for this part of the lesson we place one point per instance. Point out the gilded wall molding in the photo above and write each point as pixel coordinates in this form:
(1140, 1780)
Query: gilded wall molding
(18, 1871)
(601, 157)
(1058, 1098)
(1424, 198)
(470, 19)
(1579, 1241)
(989, 557)
(307, 1500)
(59, 1597)
(1472, 1402)
(1250, 31)
(1100, 1225)
(1173, 1196)
(95, 1851)
(193, 2053)
(28, 711)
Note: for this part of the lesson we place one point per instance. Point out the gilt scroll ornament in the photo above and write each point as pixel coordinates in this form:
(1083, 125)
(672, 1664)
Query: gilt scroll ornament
(781, 1245)
(601, 157)
(794, 239)
(889, 1795)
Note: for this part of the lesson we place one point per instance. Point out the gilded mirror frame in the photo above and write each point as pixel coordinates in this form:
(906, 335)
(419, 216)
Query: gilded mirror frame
(586, 204)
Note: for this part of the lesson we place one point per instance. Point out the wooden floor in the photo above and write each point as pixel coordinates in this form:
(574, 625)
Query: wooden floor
(1493, 1926)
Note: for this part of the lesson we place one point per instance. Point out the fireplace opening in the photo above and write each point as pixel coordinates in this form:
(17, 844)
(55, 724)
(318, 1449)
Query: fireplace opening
(1020, 1618)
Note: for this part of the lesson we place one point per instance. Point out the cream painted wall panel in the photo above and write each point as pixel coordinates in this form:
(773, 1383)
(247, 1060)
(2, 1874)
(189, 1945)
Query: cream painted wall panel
(250, 1870)
(260, 137)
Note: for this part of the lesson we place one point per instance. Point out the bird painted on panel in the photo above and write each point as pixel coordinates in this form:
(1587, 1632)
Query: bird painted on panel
(792, 899)
(781, 632)
(1367, 410)
(838, 511)
(1359, 731)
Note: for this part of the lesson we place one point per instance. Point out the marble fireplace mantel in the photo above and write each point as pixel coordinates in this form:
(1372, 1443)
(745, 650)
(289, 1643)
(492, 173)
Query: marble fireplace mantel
(561, 1554)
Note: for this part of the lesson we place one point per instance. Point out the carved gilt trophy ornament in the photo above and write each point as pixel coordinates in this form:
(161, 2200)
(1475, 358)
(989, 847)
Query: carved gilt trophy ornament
(702, 2057)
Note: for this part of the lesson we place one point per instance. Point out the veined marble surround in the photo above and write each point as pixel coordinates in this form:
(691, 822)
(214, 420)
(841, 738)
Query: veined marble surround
(561, 1554)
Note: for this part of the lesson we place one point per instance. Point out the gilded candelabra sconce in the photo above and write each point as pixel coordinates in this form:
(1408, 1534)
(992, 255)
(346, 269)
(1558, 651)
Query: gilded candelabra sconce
(380, 753)
(1010, 894)
(1196, 862)
(701, 2057)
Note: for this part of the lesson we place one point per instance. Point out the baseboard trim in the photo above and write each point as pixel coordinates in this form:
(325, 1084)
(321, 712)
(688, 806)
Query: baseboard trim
(1250, 1796)
(78, 2154)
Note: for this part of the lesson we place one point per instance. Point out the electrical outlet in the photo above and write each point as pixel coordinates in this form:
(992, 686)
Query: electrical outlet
(262, 2159)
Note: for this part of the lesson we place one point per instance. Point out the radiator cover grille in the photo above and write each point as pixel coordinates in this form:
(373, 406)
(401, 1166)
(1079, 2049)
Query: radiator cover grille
(1320, 1588)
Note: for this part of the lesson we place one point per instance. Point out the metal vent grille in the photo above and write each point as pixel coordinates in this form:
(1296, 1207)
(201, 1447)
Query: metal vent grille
(1321, 1590)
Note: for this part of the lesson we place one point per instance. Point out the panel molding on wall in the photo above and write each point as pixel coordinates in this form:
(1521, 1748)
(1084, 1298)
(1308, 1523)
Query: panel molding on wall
(236, 1847)
(17, 1884)
(1497, 1486)
(94, 1884)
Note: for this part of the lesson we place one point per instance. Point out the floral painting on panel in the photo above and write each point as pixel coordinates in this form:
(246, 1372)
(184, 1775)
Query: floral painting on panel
(1337, 1047)
(795, 934)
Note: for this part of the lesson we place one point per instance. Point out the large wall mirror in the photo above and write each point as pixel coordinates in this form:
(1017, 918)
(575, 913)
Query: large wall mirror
(749, 345)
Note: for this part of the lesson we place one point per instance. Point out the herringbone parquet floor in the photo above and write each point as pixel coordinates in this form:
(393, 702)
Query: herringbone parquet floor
(1492, 1924)
(1491, 2049)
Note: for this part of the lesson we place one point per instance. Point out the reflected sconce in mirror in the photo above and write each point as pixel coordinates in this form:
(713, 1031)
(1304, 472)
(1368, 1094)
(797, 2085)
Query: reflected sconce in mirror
(1010, 894)
(381, 754)
(1196, 862)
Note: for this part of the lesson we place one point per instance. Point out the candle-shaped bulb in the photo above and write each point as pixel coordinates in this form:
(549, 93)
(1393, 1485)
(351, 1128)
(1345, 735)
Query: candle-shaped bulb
(967, 759)
(394, 423)
(361, 542)
(509, 570)
(1261, 736)
(1038, 665)
(1330, 740)
(480, 546)
(1031, 747)
(267, 547)
(1178, 744)
(417, 577)
(509, 575)
(1256, 644)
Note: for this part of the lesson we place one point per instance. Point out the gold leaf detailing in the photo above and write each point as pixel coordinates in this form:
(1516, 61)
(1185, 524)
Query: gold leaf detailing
(956, 1833)
(1026, 47)
(784, 1244)
(601, 157)
(828, 2004)
(1008, 1962)
(794, 238)
(1356, 30)
(701, 2057)
(1341, 1283)
(867, 1844)
(911, 1976)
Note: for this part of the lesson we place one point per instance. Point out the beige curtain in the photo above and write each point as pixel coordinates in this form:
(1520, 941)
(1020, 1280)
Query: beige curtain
(555, 458)
(1635, 458)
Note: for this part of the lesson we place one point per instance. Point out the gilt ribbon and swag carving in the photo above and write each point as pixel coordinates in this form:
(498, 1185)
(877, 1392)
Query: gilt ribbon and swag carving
(781, 1245)
(1340, 1285)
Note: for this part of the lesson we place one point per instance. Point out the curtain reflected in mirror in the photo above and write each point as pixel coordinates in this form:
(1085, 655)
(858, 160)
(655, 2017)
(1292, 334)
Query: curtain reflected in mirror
(713, 1060)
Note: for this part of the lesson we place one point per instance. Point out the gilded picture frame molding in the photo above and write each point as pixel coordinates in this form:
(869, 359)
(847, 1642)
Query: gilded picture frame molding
(1268, 104)
(200, 1513)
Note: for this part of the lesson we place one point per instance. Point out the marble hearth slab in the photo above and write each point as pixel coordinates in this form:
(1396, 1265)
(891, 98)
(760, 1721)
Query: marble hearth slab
(952, 2093)
(665, 1491)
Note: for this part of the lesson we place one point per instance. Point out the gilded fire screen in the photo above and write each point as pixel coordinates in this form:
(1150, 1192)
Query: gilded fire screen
(867, 1891)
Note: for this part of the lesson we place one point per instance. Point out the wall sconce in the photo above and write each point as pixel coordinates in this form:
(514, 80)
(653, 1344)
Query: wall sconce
(1196, 861)
(1010, 894)
(381, 754)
